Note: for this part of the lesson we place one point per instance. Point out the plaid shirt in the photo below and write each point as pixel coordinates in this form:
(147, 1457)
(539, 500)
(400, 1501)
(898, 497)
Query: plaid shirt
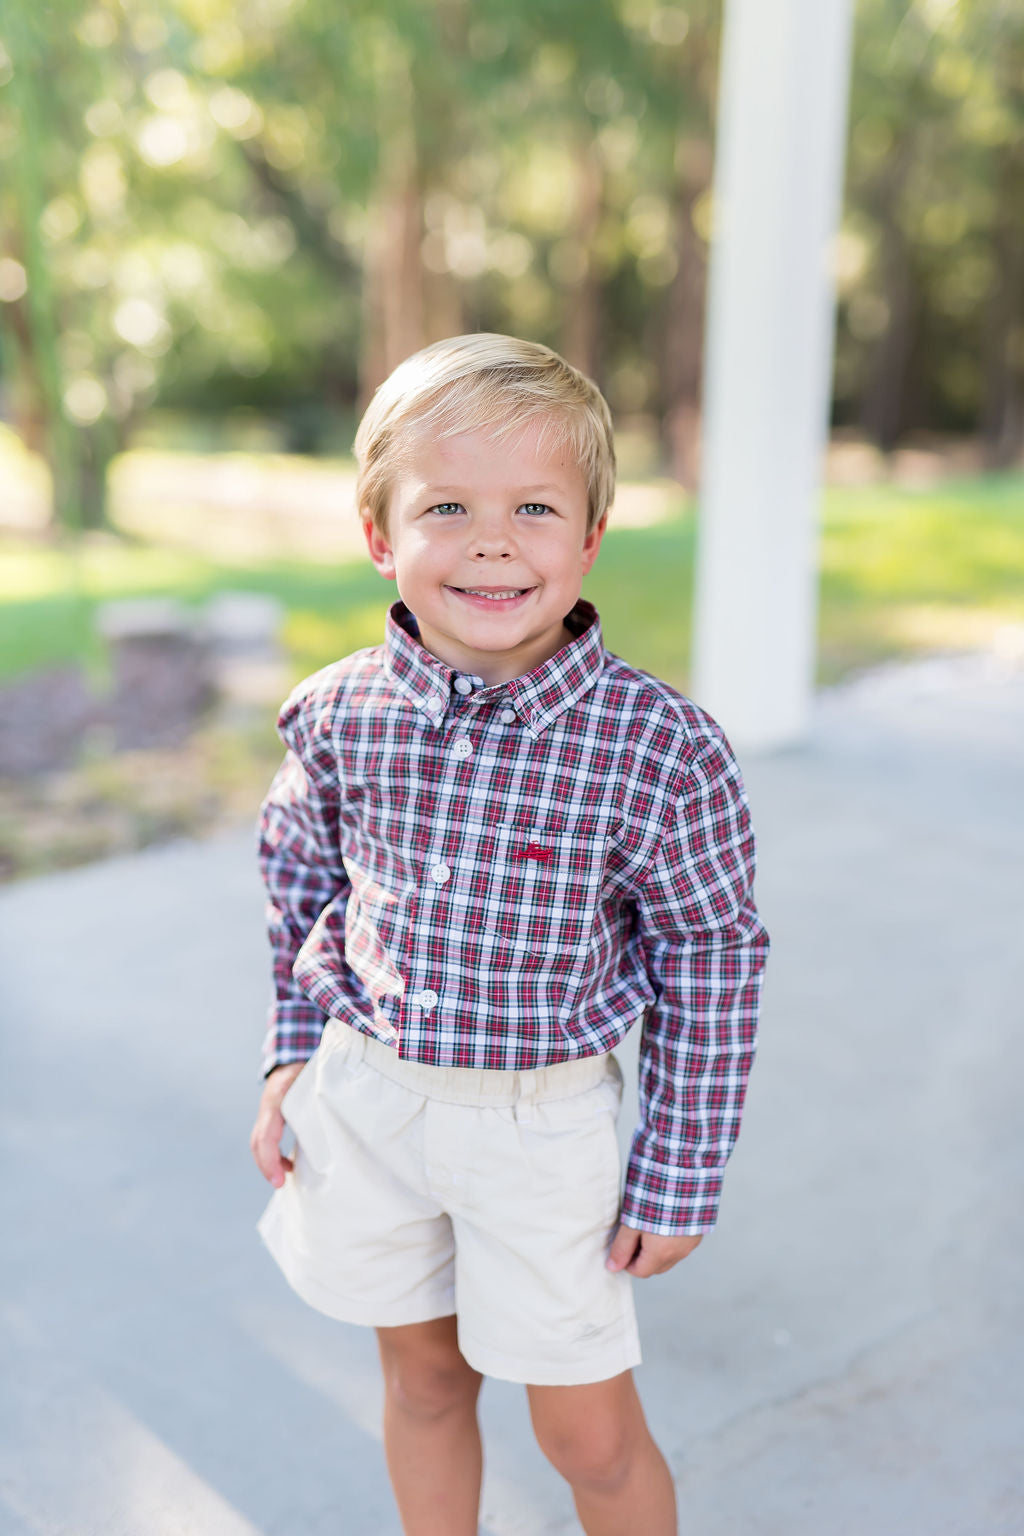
(508, 876)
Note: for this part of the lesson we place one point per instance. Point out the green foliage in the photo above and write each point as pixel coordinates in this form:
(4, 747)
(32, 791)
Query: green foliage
(195, 217)
(930, 260)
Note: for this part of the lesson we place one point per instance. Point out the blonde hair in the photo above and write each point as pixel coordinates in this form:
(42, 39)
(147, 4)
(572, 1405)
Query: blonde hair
(485, 380)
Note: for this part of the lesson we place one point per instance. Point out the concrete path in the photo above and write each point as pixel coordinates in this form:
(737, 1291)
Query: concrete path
(843, 1357)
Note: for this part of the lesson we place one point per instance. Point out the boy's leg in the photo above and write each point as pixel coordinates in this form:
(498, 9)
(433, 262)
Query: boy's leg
(431, 1436)
(597, 1437)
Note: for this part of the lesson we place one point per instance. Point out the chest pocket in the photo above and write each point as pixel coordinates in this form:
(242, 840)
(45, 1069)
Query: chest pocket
(539, 888)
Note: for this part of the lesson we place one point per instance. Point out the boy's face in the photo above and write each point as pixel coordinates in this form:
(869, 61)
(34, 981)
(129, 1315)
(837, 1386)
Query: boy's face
(488, 543)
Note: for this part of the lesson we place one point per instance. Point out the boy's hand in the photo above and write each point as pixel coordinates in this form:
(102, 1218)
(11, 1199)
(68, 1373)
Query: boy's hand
(647, 1253)
(265, 1140)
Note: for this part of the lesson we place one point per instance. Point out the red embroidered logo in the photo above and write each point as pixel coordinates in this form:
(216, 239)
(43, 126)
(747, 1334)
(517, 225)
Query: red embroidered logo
(534, 851)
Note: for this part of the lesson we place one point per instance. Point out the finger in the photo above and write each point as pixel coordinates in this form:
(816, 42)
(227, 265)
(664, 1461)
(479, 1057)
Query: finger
(266, 1149)
(268, 1160)
(274, 1166)
(624, 1246)
(658, 1255)
(644, 1264)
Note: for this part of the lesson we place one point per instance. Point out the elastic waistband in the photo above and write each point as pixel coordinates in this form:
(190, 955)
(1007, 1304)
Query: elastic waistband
(467, 1085)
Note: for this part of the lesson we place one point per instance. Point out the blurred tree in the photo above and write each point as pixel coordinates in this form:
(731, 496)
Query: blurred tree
(265, 205)
(38, 124)
(999, 35)
(683, 70)
(930, 265)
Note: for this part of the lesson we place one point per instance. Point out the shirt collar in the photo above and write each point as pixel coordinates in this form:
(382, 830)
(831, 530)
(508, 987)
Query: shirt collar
(539, 697)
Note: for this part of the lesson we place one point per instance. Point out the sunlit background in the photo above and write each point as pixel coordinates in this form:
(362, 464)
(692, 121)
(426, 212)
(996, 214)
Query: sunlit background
(222, 224)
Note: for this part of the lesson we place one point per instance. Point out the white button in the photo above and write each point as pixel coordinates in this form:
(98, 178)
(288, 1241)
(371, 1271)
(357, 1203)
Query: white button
(440, 873)
(463, 685)
(462, 747)
(433, 710)
(426, 999)
(508, 717)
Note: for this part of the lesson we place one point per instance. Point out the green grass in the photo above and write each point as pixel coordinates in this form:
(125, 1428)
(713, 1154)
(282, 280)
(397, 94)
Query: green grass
(642, 587)
(902, 571)
(48, 601)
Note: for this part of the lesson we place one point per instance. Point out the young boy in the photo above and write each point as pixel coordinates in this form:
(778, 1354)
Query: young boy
(493, 847)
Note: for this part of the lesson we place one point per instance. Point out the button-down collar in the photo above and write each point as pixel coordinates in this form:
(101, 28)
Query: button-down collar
(539, 697)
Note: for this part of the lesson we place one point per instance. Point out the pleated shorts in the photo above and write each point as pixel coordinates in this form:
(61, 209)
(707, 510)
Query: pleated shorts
(420, 1192)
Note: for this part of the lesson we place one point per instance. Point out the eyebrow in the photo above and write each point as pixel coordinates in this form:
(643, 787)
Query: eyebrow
(454, 490)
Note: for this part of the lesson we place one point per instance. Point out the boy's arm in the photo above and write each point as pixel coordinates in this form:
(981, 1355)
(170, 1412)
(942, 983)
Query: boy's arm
(705, 948)
(300, 859)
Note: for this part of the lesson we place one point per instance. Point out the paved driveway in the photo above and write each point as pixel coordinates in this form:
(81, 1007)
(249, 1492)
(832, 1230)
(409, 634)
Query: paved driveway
(842, 1358)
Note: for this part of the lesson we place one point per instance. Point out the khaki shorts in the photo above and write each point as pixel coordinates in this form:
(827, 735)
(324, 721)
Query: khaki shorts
(423, 1191)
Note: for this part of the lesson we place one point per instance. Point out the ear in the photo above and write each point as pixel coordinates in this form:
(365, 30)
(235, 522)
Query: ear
(380, 550)
(592, 543)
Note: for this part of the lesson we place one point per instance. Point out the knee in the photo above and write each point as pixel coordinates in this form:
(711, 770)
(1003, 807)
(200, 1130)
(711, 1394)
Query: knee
(590, 1457)
(428, 1388)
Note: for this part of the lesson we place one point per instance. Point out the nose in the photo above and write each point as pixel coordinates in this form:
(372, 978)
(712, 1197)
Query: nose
(491, 539)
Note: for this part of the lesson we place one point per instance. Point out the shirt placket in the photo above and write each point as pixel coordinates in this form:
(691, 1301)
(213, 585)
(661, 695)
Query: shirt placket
(458, 733)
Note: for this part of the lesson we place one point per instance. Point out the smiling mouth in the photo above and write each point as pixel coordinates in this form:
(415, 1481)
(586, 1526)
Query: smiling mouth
(493, 594)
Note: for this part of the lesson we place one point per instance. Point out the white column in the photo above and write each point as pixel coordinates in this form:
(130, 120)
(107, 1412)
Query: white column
(777, 194)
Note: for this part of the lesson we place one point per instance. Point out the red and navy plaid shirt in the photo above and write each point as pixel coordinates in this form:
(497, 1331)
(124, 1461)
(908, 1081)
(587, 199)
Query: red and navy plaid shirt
(508, 876)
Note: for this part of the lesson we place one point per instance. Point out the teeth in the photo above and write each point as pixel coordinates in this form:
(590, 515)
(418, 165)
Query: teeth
(496, 597)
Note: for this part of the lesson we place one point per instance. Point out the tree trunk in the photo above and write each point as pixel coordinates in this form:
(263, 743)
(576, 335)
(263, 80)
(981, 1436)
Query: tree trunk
(97, 446)
(581, 321)
(26, 389)
(882, 406)
(393, 287)
(682, 349)
(1002, 417)
(393, 298)
(444, 300)
(42, 375)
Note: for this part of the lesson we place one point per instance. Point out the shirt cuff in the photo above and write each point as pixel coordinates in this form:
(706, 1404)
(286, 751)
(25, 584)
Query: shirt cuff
(293, 1033)
(670, 1201)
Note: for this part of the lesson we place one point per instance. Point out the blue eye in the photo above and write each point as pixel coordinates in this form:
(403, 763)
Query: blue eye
(534, 508)
(447, 508)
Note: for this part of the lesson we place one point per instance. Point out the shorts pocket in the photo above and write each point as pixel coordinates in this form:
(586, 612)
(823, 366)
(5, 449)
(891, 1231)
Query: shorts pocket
(295, 1088)
(574, 1153)
(301, 1109)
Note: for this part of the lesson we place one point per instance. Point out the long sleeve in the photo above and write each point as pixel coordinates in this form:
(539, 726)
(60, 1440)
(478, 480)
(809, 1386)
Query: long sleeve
(302, 868)
(705, 949)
